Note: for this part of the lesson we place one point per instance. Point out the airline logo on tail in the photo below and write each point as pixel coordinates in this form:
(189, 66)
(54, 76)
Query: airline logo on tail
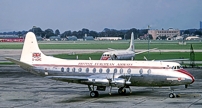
(36, 56)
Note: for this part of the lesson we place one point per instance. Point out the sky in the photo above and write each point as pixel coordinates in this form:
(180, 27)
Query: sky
(74, 15)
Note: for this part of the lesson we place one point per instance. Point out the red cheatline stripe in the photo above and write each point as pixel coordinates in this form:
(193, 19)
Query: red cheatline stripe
(187, 73)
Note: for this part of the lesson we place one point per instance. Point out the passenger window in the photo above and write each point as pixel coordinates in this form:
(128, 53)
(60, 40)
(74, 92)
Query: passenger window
(141, 71)
(149, 71)
(108, 70)
(94, 70)
(100, 70)
(73, 69)
(129, 71)
(62, 69)
(67, 69)
(80, 69)
(121, 71)
(115, 70)
(87, 70)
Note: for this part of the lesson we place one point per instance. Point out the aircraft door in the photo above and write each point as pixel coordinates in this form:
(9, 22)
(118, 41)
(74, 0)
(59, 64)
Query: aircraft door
(114, 57)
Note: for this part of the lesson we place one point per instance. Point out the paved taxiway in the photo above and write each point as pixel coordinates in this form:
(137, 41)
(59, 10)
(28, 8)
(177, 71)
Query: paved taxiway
(22, 89)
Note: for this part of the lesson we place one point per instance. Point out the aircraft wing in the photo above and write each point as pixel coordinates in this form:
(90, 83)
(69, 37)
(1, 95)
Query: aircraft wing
(145, 51)
(111, 49)
(76, 79)
(81, 79)
(173, 60)
(73, 79)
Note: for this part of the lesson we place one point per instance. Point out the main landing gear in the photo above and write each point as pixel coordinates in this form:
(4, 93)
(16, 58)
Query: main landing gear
(94, 94)
(122, 91)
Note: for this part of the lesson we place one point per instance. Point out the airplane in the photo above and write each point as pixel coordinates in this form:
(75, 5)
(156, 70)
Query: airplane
(127, 54)
(101, 74)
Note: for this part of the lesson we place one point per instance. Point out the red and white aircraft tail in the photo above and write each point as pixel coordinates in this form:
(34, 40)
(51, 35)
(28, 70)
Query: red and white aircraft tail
(31, 52)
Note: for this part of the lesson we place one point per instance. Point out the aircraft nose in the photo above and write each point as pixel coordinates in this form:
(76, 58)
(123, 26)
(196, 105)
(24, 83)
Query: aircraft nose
(104, 58)
(191, 78)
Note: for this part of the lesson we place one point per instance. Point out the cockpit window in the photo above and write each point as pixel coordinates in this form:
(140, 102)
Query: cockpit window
(176, 67)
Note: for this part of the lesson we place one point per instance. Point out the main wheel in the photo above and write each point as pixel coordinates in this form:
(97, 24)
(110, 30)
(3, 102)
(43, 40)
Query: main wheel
(122, 91)
(94, 94)
(171, 95)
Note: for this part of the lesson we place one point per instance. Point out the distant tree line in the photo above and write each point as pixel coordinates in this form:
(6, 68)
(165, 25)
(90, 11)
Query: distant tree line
(125, 34)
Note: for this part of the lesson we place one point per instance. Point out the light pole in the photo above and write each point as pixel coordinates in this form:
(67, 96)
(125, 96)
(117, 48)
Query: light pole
(148, 40)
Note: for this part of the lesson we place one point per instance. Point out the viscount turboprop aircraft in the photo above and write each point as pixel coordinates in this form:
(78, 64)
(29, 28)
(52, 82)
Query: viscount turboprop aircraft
(127, 54)
(100, 74)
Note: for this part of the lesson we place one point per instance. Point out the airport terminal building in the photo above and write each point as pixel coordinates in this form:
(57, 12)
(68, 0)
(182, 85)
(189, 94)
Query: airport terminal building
(168, 33)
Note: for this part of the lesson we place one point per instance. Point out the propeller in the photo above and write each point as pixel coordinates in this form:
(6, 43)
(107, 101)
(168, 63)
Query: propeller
(145, 58)
(111, 81)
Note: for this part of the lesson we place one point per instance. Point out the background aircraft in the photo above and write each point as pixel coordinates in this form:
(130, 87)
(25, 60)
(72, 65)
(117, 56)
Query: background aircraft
(100, 74)
(127, 54)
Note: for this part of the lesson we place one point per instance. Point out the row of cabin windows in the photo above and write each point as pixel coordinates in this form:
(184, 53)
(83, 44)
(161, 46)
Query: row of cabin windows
(94, 70)
(101, 70)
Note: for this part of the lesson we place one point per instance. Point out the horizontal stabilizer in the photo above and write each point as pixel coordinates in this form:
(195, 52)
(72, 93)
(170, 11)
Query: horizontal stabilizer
(22, 64)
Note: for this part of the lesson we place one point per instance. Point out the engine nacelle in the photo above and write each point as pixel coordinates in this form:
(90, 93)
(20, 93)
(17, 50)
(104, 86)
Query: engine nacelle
(117, 82)
(98, 82)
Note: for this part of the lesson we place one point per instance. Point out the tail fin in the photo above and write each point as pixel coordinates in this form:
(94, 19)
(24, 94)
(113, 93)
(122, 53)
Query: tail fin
(131, 47)
(31, 52)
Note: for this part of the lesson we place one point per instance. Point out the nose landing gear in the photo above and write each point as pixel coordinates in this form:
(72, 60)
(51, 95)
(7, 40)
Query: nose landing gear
(172, 95)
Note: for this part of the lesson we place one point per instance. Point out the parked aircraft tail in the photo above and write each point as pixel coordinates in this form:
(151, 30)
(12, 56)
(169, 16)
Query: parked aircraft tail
(31, 53)
(131, 47)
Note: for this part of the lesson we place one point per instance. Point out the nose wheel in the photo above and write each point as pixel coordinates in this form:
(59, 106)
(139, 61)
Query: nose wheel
(172, 95)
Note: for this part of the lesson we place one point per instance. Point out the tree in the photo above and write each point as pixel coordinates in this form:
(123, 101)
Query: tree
(85, 31)
(128, 33)
(57, 32)
(74, 33)
(49, 32)
(37, 31)
(199, 33)
(93, 33)
(186, 32)
(66, 33)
